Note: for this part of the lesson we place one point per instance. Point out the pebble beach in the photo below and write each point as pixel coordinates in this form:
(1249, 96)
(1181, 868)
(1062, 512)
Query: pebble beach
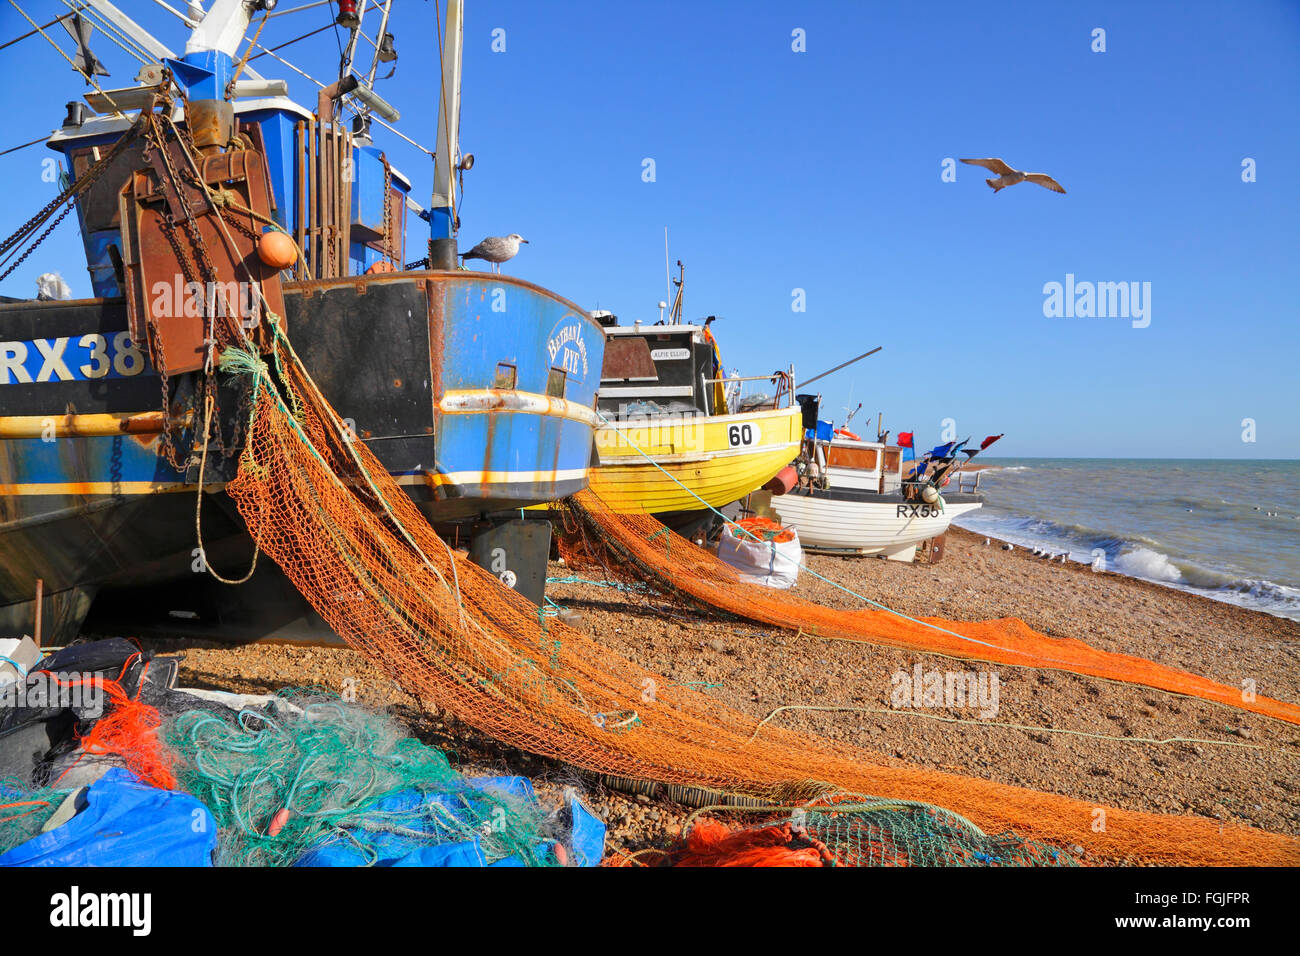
(1086, 738)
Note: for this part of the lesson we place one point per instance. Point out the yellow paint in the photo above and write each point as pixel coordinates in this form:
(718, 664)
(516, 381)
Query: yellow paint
(72, 426)
(697, 452)
(101, 488)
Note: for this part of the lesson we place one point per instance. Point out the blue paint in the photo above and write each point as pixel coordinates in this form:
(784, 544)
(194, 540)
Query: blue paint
(487, 323)
(440, 225)
(204, 73)
(280, 136)
(89, 458)
(368, 188)
(103, 274)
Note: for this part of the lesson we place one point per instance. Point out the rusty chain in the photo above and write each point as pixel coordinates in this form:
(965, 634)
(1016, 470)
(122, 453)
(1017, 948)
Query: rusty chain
(68, 196)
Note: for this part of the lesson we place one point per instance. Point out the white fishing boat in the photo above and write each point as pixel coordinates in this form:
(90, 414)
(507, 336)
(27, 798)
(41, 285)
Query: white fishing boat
(860, 498)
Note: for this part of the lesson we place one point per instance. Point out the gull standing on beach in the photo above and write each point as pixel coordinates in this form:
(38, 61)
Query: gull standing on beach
(496, 249)
(1009, 177)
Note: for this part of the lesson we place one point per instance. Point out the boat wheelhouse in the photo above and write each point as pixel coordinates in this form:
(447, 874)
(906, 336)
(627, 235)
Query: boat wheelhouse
(859, 497)
(475, 390)
(675, 437)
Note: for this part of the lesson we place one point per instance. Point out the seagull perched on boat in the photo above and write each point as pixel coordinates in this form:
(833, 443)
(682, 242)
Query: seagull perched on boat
(1009, 177)
(496, 249)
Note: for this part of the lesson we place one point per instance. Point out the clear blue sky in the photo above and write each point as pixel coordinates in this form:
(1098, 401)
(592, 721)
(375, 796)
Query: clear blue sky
(820, 170)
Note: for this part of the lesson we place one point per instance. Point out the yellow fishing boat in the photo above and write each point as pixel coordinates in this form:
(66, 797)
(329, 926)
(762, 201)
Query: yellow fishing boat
(673, 434)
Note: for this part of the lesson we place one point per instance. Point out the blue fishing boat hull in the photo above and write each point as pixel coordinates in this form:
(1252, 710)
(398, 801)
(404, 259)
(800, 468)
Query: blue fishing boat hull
(476, 392)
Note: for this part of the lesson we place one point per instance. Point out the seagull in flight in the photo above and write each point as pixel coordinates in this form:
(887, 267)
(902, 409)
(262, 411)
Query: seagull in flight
(1009, 177)
(496, 249)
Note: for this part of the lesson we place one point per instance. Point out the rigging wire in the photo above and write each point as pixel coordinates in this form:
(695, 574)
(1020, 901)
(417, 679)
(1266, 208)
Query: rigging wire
(305, 75)
(109, 30)
(347, 102)
(305, 6)
(89, 79)
(281, 46)
(32, 33)
(14, 149)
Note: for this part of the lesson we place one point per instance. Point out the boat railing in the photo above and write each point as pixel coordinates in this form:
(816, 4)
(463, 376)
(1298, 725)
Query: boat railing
(971, 487)
(783, 397)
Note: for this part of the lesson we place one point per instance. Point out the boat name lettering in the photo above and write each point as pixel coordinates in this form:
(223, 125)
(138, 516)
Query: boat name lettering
(71, 359)
(669, 355)
(918, 511)
(568, 349)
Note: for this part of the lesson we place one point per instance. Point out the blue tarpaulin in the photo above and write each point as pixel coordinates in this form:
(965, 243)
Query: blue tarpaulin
(397, 831)
(825, 431)
(125, 823)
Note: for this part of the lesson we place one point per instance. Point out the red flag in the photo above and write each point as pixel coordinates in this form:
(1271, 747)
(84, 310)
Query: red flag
(904, 439)
(989, 441)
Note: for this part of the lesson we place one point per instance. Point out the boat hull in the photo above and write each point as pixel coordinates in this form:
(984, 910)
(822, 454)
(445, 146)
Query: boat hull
(409, 359)
(422, 397)
(865, 523)
(666, 466)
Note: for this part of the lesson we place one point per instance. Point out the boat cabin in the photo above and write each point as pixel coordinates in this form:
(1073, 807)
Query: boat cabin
(864, 465)
(673, 370)
(289, 137)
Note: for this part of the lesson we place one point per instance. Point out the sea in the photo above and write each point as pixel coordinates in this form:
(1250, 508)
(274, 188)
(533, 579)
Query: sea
(1229, 530)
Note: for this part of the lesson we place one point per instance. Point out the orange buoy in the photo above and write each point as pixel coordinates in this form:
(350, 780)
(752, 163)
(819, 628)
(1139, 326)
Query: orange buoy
(278, 821)
(383, 265)
(277, 250)
(783, 481)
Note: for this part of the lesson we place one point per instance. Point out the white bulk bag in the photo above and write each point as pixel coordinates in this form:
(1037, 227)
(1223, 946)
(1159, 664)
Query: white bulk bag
(773, 564)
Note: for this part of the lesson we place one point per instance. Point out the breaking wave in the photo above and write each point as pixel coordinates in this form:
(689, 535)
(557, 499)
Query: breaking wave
(1136, 556)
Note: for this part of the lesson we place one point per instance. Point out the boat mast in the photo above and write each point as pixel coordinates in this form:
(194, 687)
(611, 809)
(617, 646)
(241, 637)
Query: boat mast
(442, 208)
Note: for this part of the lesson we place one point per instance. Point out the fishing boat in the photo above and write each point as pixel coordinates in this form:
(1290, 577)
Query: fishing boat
(676, 438)
(203, 194)
(856, 497)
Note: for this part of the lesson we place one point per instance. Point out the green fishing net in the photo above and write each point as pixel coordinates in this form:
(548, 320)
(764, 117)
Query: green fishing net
(309, 770)
(893, 833)
(24, 811)
(854, 831)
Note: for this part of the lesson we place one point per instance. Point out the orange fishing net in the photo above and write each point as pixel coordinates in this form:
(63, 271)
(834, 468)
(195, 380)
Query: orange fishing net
(128, 729)
(677, 566)
(327, 512)
(759, 529)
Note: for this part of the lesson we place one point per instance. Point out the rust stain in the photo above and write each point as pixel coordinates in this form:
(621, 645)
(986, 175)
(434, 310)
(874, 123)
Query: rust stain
(492, 421)
(437, 345)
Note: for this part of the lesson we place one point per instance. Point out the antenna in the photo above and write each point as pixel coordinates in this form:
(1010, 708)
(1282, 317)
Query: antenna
(809, 381)
(668, 276)
(675, 314)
